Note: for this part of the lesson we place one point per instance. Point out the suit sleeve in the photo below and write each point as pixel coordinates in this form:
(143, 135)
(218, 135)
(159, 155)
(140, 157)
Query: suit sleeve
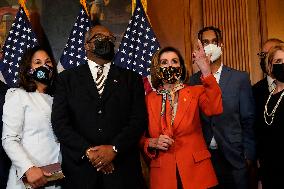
(211, 99)
(13, 124)
(74, 144)
(247, 116)
(132, 132)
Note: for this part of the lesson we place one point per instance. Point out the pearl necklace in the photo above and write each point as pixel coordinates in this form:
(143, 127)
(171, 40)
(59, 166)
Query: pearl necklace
(266, 114)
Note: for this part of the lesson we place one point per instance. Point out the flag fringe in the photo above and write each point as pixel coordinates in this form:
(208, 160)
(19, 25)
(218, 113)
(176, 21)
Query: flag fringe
(83, 3)
(144, 3)
(23, 4)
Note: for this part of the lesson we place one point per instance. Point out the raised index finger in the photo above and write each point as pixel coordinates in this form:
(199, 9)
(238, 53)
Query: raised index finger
(200, 46)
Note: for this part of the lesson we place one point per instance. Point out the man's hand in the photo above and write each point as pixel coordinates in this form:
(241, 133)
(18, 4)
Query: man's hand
(107, 169)
(203, 62)
(101, 156)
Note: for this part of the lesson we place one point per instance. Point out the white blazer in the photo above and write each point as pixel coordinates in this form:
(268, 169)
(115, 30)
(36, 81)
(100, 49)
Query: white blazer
(27, 137)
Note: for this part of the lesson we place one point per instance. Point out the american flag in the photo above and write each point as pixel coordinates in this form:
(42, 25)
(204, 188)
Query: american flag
(74, 52)
(138, 44)
(20, 38)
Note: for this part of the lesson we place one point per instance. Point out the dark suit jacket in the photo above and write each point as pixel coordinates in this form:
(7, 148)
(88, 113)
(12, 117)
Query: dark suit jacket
(81, 119)
(5, 162)
(233, 129)
(260, 93)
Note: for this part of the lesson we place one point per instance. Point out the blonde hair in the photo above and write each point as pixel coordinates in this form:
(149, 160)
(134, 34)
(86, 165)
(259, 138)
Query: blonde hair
(272, 52)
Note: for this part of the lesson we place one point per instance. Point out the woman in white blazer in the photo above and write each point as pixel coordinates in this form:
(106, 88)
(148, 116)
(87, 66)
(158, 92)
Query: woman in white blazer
(27, 137)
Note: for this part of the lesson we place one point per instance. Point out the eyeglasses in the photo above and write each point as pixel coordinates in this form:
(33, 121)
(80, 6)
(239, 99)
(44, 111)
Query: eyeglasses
(262, 54)
(101, 37)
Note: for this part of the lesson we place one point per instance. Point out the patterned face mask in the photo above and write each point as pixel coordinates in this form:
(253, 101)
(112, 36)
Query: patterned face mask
(170, 74)
(41, 74)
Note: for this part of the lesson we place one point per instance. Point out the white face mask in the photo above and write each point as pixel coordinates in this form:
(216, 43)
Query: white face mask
(214, 50)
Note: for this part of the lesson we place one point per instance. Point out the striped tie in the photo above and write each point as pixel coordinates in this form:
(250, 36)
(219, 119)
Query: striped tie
(100, 80)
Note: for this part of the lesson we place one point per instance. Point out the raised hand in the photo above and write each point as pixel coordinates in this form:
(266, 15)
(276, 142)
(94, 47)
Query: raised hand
(203, 62)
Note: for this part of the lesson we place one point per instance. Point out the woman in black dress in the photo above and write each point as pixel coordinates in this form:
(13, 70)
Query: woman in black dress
(271, 131)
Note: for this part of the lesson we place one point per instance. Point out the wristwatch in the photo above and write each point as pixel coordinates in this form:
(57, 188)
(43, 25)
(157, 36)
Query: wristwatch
(114, 149)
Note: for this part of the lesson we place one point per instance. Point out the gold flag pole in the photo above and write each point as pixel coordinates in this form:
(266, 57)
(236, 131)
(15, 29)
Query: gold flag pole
(83, 3)
(23, 4)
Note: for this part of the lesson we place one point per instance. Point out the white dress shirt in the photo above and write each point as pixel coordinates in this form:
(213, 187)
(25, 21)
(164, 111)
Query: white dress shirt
(94, 69)
(217, 75)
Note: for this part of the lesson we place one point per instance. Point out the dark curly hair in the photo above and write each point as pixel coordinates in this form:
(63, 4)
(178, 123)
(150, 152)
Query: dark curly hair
(217, 32)
(25, 80)
(155, 66)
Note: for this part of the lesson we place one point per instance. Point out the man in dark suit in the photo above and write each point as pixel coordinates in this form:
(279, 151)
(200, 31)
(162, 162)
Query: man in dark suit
(262, 89)
(229, 136)
(5, 162)
(99, 115)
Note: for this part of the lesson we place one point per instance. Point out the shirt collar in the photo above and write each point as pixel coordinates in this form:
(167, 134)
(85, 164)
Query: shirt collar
(219, 69)
(93, 64)
(270, 80)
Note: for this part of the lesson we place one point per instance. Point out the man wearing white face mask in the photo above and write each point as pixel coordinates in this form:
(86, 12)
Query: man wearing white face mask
(229, 136)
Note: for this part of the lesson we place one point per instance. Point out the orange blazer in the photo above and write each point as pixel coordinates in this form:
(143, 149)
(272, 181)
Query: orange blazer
(189, 152)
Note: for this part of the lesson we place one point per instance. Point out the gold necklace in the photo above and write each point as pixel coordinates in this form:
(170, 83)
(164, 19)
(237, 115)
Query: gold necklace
(266, 114)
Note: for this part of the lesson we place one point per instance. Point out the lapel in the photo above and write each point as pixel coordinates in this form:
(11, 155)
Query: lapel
(156, 107)
(112, 81)
(87, 81)
(184, 101)
(224, 78)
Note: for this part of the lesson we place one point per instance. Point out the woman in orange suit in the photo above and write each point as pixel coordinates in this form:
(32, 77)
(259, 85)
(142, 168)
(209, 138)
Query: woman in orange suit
(174, 143)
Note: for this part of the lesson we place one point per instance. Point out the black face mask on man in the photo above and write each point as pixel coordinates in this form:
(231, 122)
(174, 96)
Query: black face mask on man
(278, 72)
(41, 74)
(104, 48)
(170, 74)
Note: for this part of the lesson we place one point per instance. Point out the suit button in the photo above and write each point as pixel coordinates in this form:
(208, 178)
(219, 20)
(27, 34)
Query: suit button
(100, 112)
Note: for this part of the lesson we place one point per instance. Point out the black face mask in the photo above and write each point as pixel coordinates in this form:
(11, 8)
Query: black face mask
(278, 72)
(263, 65)
(104, 49)
(170, 74)
(41, 74)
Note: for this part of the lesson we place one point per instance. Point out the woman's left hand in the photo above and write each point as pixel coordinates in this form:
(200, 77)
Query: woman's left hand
(203, 62)
(163, 142)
